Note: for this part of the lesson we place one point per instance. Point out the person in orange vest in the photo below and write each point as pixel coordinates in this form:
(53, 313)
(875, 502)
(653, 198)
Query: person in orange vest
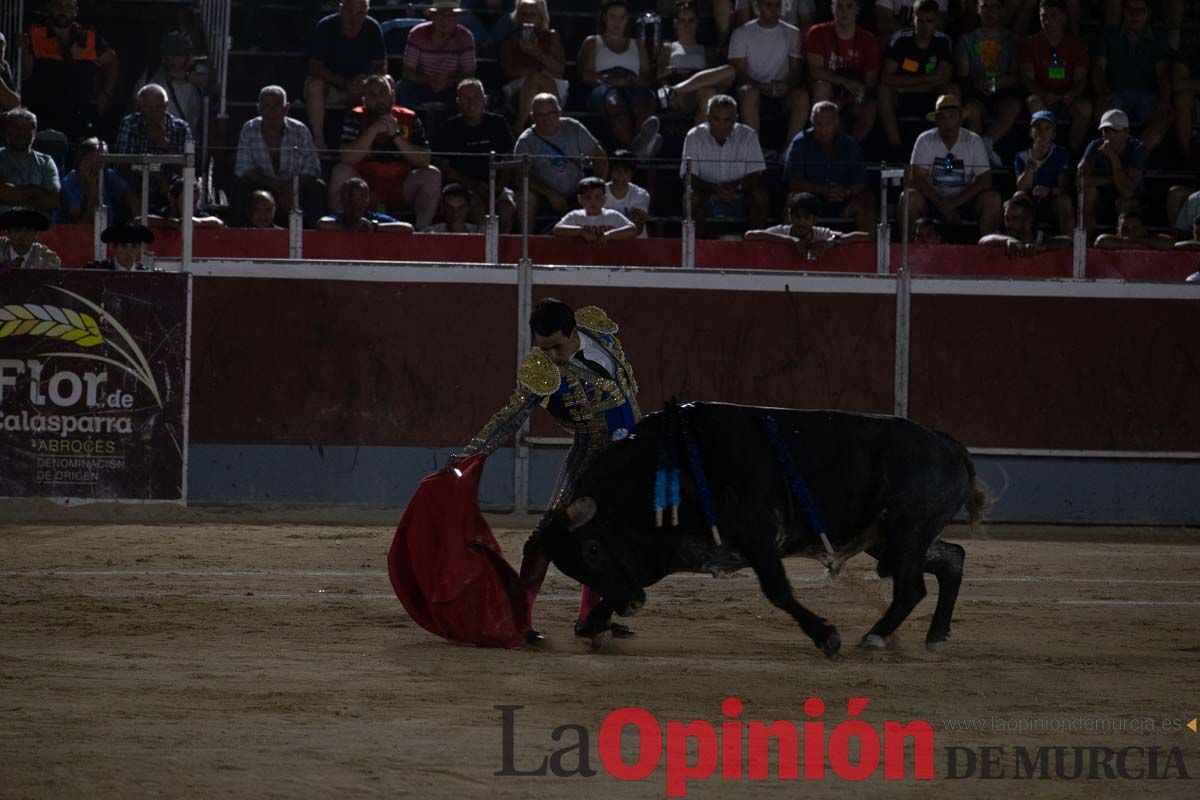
(70, 71)
(384, 144)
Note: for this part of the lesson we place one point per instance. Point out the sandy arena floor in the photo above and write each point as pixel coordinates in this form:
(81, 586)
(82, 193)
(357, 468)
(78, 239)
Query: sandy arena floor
(207, 657)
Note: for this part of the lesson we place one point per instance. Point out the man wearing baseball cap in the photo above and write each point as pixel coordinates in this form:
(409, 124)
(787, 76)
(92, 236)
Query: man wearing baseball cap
(1111, 170)
(1043, 173)
(951, 173)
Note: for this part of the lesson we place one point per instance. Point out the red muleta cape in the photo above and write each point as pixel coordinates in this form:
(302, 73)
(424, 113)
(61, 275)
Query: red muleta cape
(447, 569)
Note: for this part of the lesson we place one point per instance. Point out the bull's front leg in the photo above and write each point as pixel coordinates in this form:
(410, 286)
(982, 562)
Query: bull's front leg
(597, 626)
(772, 576)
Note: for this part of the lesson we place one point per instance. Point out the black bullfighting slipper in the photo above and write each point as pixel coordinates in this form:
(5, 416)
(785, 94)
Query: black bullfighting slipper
(620, 631)
(533, 636)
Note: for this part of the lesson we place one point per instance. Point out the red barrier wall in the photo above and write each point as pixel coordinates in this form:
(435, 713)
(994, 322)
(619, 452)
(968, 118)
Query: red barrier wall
(73, 243)
(313, 362)
(373, 363)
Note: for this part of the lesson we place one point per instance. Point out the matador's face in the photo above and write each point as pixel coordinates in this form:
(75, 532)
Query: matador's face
(557, 346)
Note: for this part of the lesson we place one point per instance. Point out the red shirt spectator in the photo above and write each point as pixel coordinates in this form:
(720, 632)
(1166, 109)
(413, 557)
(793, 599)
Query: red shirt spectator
(853, 57)
(1054, 67)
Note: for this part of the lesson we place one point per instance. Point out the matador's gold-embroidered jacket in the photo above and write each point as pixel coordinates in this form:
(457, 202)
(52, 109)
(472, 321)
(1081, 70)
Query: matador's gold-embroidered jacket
(595, 409)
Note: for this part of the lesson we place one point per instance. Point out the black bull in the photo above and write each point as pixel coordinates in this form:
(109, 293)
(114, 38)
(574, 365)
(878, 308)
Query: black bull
(880, 484)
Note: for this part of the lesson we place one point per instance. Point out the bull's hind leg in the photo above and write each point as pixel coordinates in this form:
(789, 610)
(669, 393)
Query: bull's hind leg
(943, 560)
(903, 559)
(773, 578)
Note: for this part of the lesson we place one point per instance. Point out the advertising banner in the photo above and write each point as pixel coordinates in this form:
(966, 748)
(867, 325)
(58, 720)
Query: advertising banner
(93, 384)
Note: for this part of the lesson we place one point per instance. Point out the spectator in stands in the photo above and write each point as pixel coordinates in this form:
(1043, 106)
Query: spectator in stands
(184, 98)
(800, 230)
(623, 194)
(986, 60)
(917, 69)
(1054, 71)
(766, 52)
(1194, 242)
(559, 147)
(262, 210)
(1111, 170)
(20, 248)
(1185, 83)
(1132, 235)
(173, 216)
(439, 54)
(10, 96)
(927, 230)
(80, 187)
(501, 28)
(1183, 208)
(950, 172)
(844, 62)
(456, 205)
(385, 145)
(1172, 11)
(70, 72)
(345, 48)
(270, 147)
(153, 130)
(478, 133)
(1130, 73)
(27, 177)
(1019, 14)
(827, 163)
(128, 240)
(727, 167)
(532, 60)
(592, 222)
(1022, 239)
(688, 72)
(618, 69)
(1043, 174)
(354, 211)
(897, 15)
(794, 12)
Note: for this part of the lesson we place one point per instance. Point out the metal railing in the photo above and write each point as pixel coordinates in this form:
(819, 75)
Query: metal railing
(146, 163)
(216, 16)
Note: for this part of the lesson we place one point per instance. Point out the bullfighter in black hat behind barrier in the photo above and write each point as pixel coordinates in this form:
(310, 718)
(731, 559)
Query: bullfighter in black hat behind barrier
(127, 240)
(19, 249)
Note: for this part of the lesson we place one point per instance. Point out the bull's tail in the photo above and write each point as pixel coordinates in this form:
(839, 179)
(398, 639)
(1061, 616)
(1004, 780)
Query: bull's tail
(980, 499)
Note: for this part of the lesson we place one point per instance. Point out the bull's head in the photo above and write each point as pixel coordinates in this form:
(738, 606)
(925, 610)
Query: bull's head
(597, 553)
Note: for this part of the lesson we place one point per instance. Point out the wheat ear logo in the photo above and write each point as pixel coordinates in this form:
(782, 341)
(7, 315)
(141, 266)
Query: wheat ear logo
(79, 329)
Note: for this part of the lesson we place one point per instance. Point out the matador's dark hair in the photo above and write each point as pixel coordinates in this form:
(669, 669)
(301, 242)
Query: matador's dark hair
(551, 316)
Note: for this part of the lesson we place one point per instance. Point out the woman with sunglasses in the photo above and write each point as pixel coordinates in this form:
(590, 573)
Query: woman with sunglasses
(686, 73)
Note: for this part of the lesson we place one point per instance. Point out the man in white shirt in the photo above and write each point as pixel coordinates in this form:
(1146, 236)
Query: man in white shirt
(766, 54)
(727, 166)
(951, 173)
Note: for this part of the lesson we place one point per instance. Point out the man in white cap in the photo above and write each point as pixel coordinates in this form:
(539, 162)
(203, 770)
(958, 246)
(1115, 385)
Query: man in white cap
(1111, 170)
(951, 173)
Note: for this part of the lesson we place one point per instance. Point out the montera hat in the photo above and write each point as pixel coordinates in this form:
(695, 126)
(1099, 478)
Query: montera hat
(127, 233)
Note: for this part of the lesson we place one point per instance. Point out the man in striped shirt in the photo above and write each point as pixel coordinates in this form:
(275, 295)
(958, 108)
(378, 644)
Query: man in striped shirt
(438, 55)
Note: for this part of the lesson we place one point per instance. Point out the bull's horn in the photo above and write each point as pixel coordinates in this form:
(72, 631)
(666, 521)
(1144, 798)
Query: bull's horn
(580, 512)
